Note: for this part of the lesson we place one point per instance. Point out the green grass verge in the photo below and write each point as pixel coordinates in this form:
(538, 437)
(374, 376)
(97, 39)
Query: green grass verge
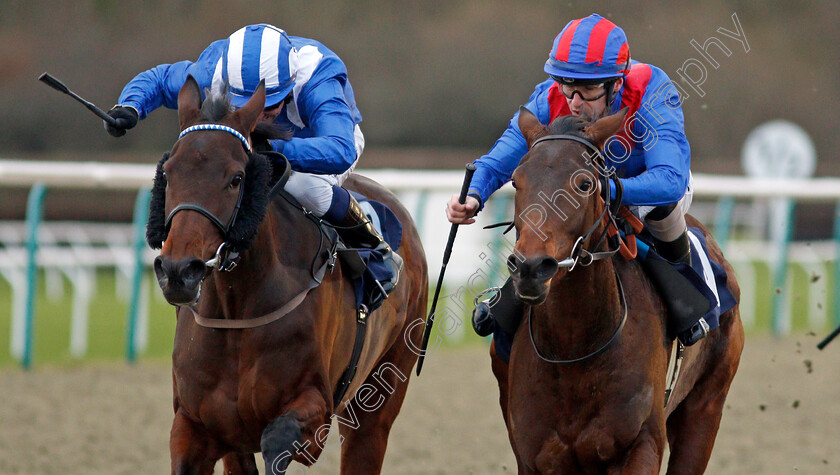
(109, 309)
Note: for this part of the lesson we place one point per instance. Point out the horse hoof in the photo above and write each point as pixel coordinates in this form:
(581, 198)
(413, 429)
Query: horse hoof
(482, 321)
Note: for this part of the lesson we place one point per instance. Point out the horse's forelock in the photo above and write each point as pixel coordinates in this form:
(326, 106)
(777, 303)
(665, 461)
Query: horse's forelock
(215, 107)
(569, 124)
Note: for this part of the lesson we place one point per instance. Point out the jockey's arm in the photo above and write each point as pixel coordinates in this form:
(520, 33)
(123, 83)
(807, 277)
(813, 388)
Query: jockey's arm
(496, 167)
(159, 86)
(665, 182)
(331, 147)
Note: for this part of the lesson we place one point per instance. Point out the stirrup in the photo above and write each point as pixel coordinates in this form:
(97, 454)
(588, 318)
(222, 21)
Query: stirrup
(695, 333)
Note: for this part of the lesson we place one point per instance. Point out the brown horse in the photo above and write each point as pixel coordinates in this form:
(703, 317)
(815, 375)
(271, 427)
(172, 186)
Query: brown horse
(602, 408)
(269, 388)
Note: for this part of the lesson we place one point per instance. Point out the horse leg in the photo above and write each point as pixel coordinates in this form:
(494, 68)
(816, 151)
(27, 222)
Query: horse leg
(367, 418)
(291, 436)
(238, 463)
(192, 450)
(645, 455)
(693, 425)
(500, 371)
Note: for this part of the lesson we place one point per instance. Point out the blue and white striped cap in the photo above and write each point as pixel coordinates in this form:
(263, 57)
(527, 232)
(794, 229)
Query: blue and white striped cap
(254, 53)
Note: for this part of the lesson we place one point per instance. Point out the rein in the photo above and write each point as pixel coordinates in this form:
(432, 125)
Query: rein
(592, 354)
(578, 251)
(225, 259)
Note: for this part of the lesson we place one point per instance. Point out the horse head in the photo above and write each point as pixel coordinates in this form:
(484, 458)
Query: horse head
(210, 192)
(557, 209)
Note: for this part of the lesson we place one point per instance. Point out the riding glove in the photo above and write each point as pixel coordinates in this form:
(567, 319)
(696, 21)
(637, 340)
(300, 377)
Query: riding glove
(126, 117)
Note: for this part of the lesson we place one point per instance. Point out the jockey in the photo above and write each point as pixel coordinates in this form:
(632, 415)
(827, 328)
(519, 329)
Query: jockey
(307, 93)
(591, 75)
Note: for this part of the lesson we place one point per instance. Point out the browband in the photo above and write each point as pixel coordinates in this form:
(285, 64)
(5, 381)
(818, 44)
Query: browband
(223, 128)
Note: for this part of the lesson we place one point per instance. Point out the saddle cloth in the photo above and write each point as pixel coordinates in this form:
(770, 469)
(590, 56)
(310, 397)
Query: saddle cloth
(704, 274)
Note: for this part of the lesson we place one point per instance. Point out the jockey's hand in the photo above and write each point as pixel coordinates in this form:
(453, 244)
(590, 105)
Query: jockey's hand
(458, 213)
(127, 118)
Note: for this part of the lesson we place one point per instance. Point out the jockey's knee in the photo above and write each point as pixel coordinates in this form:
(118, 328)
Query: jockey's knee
(667, 222)
(314, 192)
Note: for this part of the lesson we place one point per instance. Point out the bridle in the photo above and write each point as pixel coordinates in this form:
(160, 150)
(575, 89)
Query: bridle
(578, 254)
(225, 258)
(589, 257)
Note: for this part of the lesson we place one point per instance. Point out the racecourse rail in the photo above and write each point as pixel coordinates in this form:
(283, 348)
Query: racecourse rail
(26, 247)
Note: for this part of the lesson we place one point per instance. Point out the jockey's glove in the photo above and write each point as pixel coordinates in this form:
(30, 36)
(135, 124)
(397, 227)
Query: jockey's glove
(126, 117)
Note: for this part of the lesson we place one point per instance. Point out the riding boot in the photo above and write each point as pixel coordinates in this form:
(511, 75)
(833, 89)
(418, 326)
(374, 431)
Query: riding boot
(356, 230)
(678, 250)
(506, 313)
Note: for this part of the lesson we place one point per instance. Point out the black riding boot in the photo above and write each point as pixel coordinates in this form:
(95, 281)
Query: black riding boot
(356, 230)
(678, 250)
(506, 312)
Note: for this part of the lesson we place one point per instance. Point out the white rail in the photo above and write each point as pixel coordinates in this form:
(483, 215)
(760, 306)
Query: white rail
(134, 176)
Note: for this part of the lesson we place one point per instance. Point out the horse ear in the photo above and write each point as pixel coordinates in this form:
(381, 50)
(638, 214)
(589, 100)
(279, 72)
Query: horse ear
(606, 127)
(189, 103)
(248, 114)
(530, 126)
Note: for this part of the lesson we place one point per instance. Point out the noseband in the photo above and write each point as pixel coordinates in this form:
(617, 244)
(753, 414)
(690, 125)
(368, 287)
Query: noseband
(225, 258)
(578, 251)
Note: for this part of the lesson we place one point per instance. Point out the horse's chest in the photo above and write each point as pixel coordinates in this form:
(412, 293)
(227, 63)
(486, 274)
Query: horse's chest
(577, 423)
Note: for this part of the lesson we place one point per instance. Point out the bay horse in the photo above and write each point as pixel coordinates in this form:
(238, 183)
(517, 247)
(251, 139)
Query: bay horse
(584, 390)
(270, 388)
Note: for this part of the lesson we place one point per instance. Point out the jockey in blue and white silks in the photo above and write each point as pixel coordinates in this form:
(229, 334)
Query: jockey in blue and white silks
(307, 93)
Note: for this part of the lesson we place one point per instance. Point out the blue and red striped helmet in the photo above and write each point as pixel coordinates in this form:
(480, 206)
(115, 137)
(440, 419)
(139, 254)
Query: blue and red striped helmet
(589, 48)
(254, 53)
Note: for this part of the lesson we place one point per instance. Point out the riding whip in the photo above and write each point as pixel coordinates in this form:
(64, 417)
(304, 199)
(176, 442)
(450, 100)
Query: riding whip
(828, 339)
(430, 320)
(60, 87)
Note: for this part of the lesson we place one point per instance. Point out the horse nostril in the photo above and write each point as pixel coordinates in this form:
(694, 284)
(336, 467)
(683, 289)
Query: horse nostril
(513, 264)
(546, 268)
(538, 268)
(162, 277)
(192, 271)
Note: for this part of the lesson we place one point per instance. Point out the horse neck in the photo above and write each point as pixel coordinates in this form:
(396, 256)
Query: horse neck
(275, 268)
(581, 312)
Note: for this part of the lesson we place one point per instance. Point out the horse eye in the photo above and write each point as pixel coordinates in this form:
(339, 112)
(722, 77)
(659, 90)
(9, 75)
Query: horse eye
(236, 181)
(513, 184)
(585, 185)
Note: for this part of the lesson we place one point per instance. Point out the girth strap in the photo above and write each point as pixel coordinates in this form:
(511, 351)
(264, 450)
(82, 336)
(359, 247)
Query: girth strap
(358, 345)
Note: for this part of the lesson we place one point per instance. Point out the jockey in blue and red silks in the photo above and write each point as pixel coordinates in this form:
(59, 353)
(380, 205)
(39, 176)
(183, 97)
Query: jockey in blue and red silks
(307, 93)
(591, 75)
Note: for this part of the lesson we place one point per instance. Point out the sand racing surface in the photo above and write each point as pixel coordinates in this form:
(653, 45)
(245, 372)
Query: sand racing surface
(782, 416)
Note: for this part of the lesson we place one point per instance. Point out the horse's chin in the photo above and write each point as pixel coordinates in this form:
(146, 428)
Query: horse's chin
(531, 293)
(531, 300)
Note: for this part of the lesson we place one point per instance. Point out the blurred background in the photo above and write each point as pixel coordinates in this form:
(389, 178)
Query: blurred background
(436, 82)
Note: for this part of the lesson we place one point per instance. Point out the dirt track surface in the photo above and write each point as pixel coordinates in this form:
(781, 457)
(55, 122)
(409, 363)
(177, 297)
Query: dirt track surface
(782, 416)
